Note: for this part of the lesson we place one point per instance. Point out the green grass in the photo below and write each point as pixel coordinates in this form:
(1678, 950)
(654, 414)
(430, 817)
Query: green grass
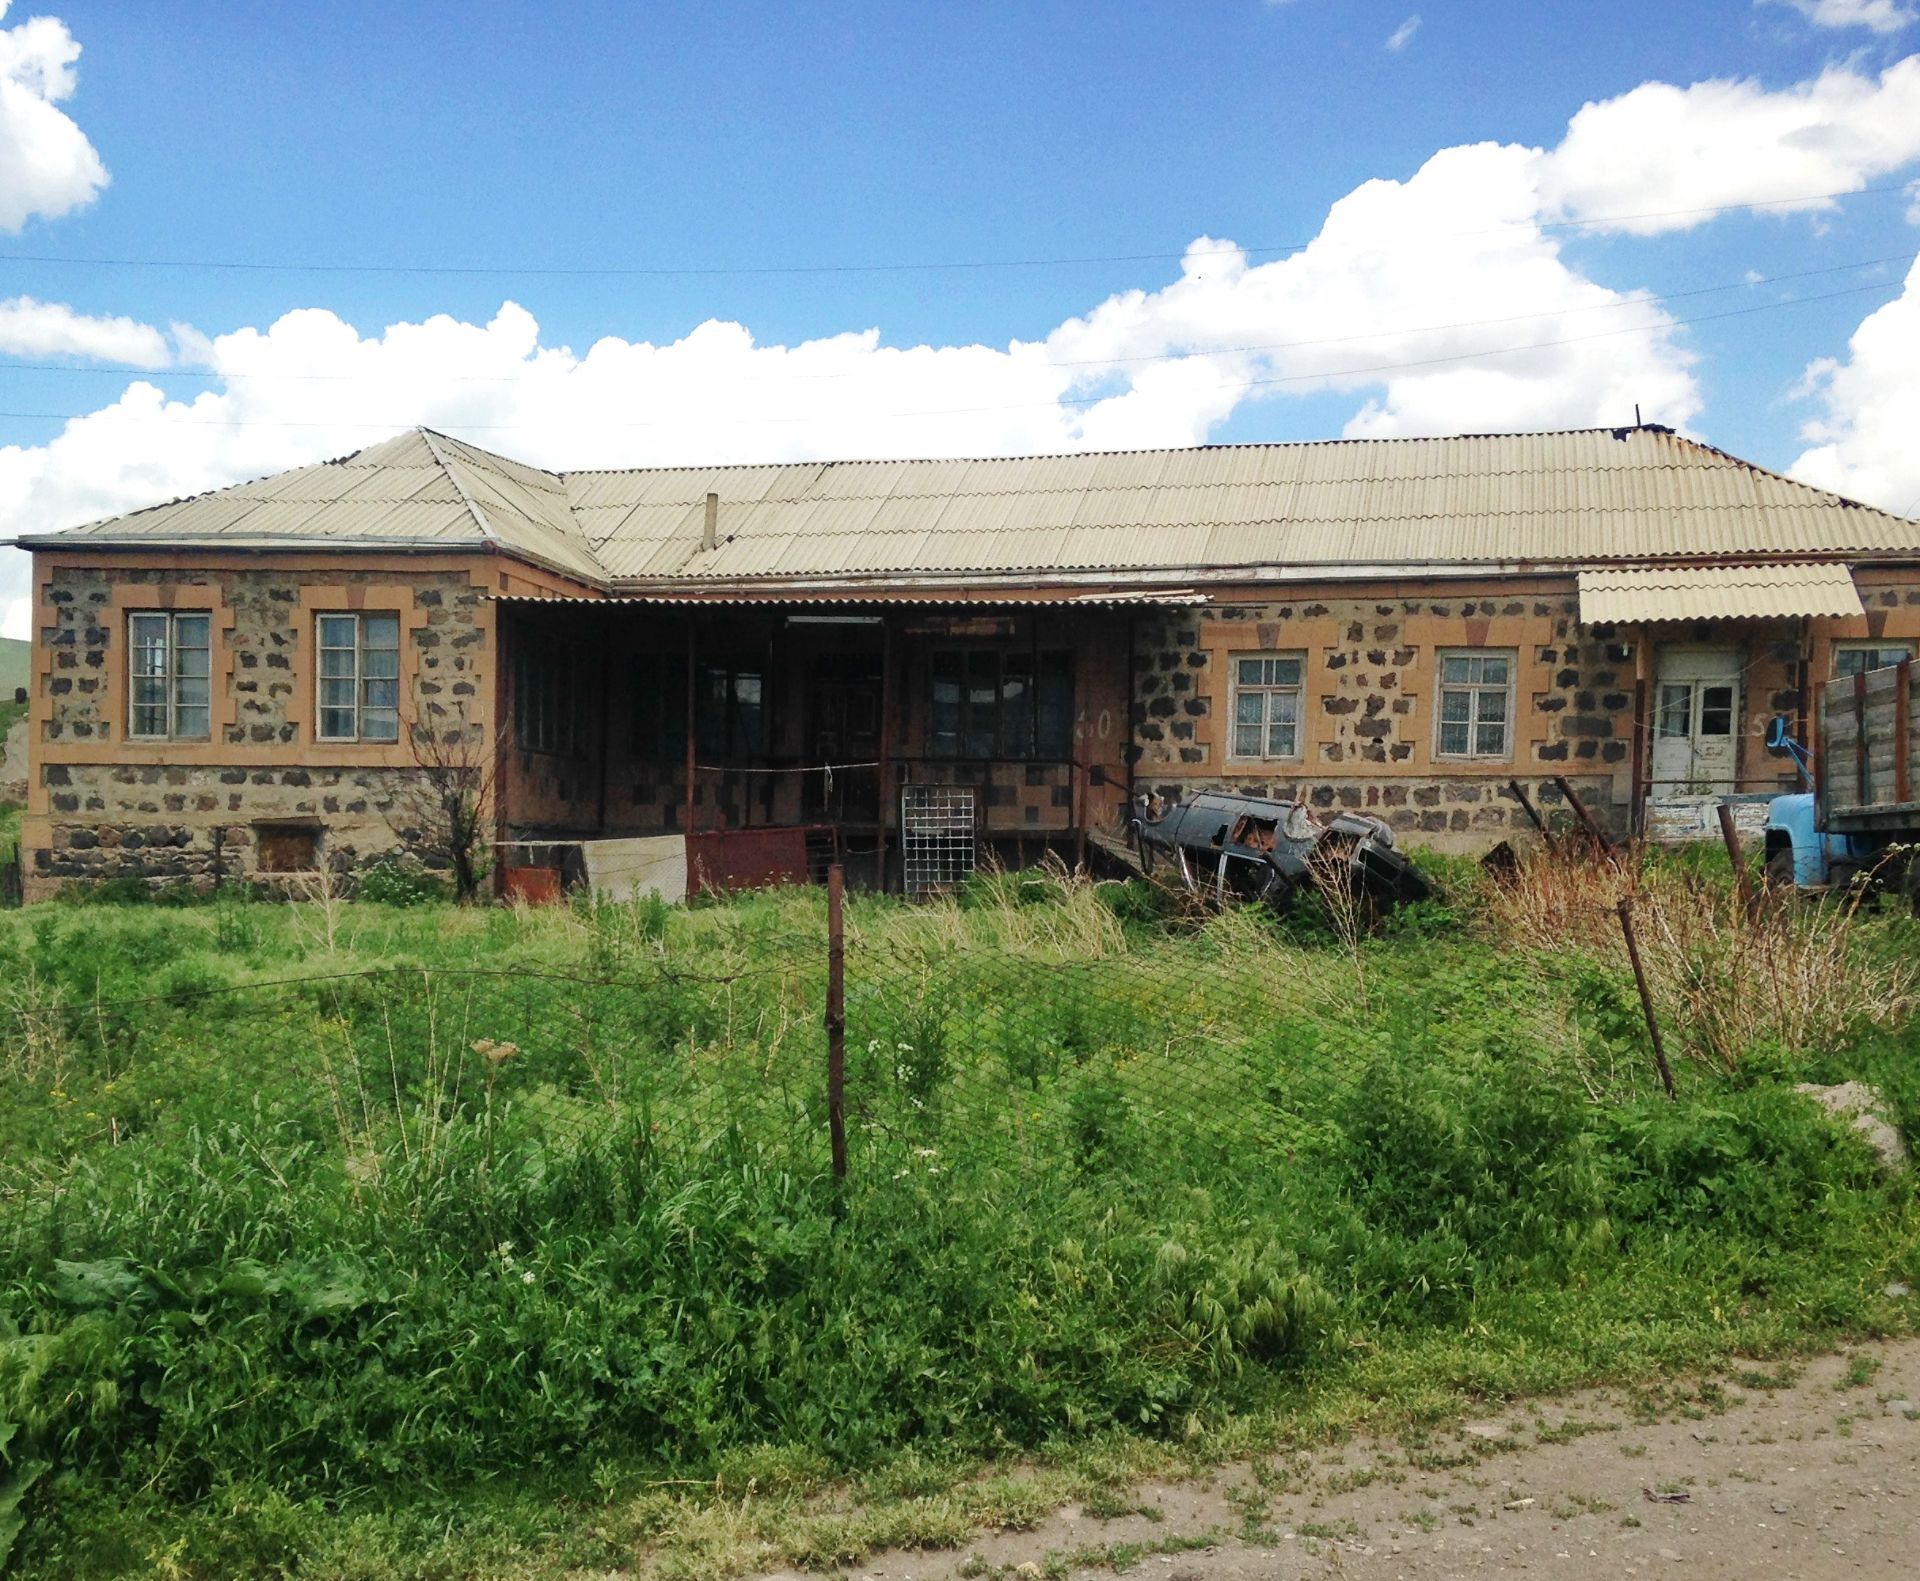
(522, 1256)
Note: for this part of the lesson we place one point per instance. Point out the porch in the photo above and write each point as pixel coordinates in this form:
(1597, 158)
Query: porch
(773, 736)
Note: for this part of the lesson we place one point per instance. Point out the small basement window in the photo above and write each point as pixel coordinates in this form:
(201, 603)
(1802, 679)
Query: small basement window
(287, 848)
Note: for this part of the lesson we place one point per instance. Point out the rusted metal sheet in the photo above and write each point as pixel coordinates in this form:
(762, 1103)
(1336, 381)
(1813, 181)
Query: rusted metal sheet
(719, 861)
(535, 886)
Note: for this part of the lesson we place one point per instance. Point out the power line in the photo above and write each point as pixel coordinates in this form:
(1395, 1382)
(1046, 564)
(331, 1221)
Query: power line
(1648, 299)
(665, 271)
(1323, 375)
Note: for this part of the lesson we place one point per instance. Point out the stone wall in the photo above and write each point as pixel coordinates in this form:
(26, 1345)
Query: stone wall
(102, 806)
(1367, 725)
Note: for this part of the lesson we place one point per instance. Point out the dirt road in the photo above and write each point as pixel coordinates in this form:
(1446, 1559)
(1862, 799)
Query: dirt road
(1806, 1472)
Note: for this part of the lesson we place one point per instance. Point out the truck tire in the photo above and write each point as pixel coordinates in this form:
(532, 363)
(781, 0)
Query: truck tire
(1779, 871)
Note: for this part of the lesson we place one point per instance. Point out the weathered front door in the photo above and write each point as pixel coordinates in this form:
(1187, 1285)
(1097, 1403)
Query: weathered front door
(1696, 724)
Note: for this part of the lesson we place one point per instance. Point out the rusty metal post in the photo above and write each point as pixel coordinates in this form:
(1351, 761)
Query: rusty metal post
(1625, 909)
(1519, 793)
(1742, 880)
(837, 1020)
(1599, 836)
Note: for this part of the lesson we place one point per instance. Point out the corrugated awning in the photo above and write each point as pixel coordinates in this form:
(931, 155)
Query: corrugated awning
(1716, 592)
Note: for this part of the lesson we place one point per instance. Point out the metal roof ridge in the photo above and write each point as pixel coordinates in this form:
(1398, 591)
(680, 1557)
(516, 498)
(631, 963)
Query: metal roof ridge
(486, 527)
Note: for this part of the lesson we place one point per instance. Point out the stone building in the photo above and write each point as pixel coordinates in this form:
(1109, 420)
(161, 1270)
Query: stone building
(776, 660)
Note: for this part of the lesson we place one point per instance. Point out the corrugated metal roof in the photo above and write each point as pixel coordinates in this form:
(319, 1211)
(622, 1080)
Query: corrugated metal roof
(1569, 499)
(1718, 592)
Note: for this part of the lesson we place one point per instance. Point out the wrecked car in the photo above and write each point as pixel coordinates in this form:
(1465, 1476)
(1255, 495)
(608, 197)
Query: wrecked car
(1252, 848)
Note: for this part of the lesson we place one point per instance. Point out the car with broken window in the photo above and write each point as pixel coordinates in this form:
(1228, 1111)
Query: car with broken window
(1230, 846)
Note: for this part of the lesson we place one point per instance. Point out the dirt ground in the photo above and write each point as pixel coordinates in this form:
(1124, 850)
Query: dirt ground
(1807, 1472)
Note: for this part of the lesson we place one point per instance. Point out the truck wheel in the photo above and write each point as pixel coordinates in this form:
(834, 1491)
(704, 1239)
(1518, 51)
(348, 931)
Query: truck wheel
(1779, 869)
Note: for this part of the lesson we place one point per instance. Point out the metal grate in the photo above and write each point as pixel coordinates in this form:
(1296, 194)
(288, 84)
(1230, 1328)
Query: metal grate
(936, 836)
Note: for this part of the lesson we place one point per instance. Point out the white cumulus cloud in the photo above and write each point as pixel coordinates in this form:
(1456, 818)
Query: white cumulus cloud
(1666, 153)
(29, 328)
(1878, 16)
(47, 166)
(1863, 442)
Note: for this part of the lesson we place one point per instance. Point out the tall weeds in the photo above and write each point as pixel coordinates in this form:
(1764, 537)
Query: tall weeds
(1792, 975)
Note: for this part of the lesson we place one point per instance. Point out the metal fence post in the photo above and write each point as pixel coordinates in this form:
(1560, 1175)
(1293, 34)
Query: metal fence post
(837, 1020)
(1742, 880)
(1646, 997)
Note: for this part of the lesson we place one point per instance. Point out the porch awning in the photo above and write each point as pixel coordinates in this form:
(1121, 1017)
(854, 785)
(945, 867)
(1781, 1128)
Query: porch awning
(1716, 592)
(1181, 598)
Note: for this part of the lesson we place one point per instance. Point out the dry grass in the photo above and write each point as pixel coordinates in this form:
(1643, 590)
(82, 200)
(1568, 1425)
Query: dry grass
(1794, 974)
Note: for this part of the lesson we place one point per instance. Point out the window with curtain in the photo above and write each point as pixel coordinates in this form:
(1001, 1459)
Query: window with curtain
(169, 662)
(1475, 704)
(359, 680)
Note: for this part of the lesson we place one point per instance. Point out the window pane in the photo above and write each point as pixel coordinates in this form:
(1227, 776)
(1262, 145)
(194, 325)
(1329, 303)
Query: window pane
(983, 695)
(336, 724)
(190, 631)
(1281, 739)
(380, 631)
(1490, 740)
(190, 722)
(383, 662)
(1716, 711)
(336, 661)
(191, 689)
(190, 661)
(1246, 741)
(1493, 706)
(1250, 708)
(336, 694)
(1053, 729)
(1016, 707)
(381, 694)
(150, 691)
(148, 640)
(1456, 669)
(1493, 672)
(379, 724)
(1676, 708)
(1250, 672)
(149, 720)
(1286, 672)
(1453, 739)
(1456, 707)
(336, 631)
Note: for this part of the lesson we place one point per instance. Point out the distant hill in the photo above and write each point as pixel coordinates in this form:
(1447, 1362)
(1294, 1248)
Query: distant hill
(16, 665)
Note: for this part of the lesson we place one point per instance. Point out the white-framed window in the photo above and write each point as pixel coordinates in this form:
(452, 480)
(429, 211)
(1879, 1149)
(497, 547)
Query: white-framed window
(1856, 658)
(359, 680)
(1266, 704)
(1474, 718)
(169, 675)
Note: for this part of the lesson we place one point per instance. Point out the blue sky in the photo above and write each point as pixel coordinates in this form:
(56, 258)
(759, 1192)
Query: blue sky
(748, 140)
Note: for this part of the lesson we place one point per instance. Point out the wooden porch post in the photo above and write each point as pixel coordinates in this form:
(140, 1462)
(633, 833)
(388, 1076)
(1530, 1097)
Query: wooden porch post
(884, 796)
(687, 827)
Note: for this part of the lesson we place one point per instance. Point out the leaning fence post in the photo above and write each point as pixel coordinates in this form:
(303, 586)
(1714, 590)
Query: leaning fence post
(837, 1021)
(1646, 998)
(1742, 880)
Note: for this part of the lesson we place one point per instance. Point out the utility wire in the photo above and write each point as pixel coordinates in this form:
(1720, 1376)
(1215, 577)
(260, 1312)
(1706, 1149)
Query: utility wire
(1645, 300)
(544, 271)
(1329, 374)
